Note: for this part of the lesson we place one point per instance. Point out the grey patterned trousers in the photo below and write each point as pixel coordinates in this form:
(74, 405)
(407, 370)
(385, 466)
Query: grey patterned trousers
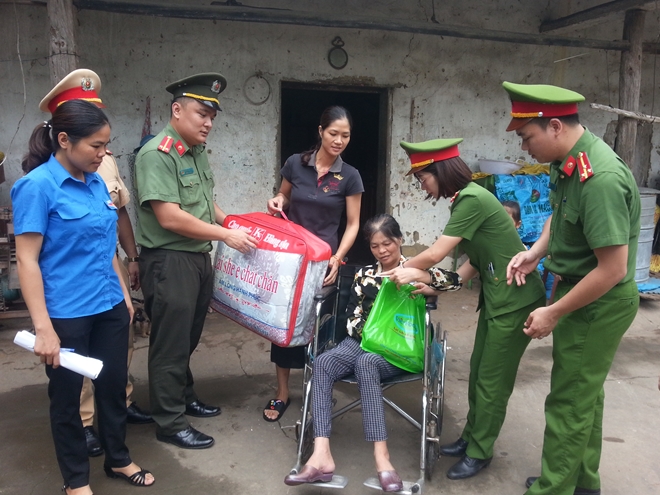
(335, 364)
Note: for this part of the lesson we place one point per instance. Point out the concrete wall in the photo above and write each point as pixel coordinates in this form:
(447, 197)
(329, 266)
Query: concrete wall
(440, 87)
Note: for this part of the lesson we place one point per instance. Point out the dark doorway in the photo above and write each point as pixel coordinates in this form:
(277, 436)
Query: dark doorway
(302, 105)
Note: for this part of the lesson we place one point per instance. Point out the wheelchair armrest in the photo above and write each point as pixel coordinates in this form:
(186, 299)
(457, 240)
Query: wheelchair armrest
(325, 293)
(431, 302)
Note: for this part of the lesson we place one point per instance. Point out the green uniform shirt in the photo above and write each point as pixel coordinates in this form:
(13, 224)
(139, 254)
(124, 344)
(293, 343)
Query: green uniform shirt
(490, 240)
(172, 172)
(602, 211)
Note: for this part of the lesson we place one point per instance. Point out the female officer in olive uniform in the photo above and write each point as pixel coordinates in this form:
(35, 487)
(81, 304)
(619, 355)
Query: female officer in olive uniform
(591, 243)
(483, 229)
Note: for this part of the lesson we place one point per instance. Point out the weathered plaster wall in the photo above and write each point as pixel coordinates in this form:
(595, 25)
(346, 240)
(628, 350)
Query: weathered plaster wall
(440, 87)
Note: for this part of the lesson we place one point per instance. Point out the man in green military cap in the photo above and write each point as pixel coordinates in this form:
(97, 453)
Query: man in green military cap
(177, 220)
(591, 244)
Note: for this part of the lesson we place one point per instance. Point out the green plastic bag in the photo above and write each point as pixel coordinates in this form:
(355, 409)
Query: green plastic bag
(395, 327)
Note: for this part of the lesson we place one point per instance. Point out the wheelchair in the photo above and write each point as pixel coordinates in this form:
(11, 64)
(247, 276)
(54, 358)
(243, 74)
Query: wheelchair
(330, 329)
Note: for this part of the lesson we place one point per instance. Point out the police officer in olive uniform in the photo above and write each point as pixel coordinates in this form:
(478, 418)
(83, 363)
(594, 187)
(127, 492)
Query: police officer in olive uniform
(176, 224)
(591, 244)
(482, 228)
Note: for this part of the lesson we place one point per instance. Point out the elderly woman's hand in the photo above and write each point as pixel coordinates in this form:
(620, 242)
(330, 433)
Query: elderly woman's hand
(401, 276)
(421, 288)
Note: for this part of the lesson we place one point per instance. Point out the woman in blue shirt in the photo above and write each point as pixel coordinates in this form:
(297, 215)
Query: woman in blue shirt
(65, 225)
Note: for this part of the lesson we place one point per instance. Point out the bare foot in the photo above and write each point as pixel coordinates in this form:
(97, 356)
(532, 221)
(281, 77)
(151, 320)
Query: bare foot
(282, 391)
(133, 468)
(272, 414)
(324, 463)
(384, 465)
(382, 457)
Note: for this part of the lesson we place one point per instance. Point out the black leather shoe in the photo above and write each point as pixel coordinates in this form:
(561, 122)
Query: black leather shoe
(456, 449)
(200, 410)
(578, 491)
(467, 467)
(189, 438)
(137, 416)
(94, 448)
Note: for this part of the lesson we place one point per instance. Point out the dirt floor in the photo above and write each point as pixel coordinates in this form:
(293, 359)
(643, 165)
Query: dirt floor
(232, 369)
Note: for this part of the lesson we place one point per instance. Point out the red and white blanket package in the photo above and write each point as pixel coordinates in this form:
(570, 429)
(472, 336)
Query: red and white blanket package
(271, 289)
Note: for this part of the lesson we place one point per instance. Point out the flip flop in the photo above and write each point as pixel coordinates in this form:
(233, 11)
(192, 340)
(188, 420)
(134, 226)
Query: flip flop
(276, 405)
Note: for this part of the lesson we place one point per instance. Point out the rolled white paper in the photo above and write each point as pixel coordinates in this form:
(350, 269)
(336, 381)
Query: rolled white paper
(86, 366)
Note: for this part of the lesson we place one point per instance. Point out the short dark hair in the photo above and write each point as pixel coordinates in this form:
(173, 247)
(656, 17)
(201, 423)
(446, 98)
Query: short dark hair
(383, 223)
(569, 120)
(329, 115)
(514, 206)
(77, 118)
(181, 100)
(452, 175)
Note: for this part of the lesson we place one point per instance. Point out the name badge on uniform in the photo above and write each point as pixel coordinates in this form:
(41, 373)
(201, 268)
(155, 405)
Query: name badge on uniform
(110, 204)
(186, 171)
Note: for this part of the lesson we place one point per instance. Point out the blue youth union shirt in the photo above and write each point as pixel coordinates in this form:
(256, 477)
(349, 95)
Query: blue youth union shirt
(78, 222)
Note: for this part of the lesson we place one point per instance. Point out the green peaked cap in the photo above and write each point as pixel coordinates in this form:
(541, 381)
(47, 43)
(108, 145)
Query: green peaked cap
(529, 101)
(425, 153)
(428, 146)
(542, 93)
(204, 88)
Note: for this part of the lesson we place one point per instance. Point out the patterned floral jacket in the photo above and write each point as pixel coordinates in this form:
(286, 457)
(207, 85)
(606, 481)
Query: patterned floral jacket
(366, 286)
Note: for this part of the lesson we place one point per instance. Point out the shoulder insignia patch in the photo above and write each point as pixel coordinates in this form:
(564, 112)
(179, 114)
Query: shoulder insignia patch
(180, 148)
(569, 166)
(166, 144)
(585, 167)
(108, 152)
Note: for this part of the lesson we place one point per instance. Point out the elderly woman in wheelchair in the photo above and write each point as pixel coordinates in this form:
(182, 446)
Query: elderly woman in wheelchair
(384, 236)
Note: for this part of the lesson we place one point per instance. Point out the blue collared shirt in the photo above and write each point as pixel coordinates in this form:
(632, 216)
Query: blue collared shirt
(78, 222)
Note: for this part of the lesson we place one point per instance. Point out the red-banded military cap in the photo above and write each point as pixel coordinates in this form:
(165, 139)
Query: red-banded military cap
(530, 101)
(81, 84)
(204, 88)
(425, 153)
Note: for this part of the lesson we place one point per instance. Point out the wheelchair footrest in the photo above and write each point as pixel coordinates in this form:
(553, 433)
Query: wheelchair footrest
(409, 487)
(336, 482)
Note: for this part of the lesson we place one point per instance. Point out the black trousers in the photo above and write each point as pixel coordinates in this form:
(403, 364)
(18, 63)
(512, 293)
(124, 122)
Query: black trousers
(103, 336)
(177, 288)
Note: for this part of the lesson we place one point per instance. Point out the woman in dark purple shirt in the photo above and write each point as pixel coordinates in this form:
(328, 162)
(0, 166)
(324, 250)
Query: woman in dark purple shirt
(317, 188)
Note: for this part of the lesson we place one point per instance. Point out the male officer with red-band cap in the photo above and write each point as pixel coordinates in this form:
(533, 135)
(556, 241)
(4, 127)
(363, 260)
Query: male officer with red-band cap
(176, 224)
(591, 244)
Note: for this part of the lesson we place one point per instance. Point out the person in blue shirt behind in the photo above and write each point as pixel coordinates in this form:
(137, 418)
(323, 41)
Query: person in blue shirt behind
(513, 209)
(66, 234)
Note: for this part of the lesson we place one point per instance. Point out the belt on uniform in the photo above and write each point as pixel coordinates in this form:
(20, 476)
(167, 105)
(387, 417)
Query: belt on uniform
(571, 280)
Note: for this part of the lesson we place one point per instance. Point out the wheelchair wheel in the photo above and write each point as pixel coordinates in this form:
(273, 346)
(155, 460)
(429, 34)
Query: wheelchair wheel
(435, 404)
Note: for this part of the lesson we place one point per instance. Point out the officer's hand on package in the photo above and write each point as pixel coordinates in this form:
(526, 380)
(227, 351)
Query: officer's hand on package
(540, 322)
(240, 241)
(520, 266)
